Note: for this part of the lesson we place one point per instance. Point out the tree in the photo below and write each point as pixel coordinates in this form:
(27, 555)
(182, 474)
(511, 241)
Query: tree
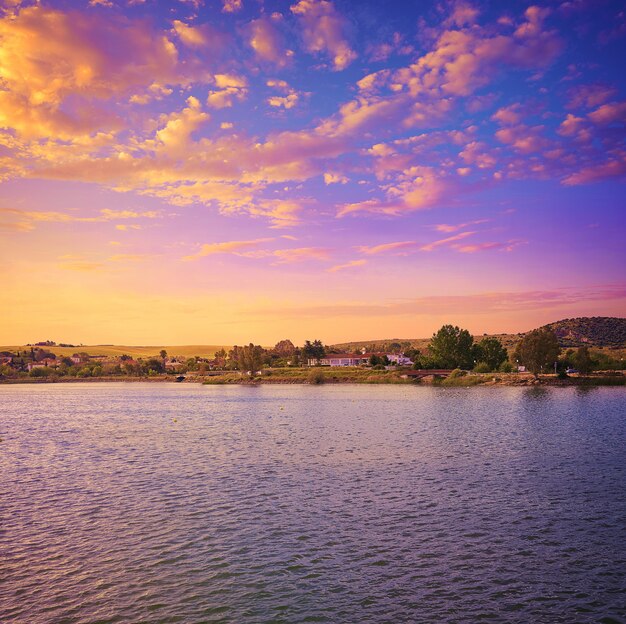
(374, 360)
(452, 347)
(582, 360)
(491, 352)
(284, 348)
(163, 354)
(537, 350)
(248, 358)
(313, 350)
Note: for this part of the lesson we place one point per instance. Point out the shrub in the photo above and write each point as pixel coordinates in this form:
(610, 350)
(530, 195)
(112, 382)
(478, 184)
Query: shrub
(316, 376)
(457, 372)
(482, 367)
(562, 375)
(506, 367)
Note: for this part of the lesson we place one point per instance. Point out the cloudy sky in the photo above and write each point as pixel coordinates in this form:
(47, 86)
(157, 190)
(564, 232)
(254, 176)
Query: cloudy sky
(223, 171)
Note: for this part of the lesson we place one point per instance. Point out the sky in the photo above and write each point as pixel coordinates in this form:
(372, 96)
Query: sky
(227, 171)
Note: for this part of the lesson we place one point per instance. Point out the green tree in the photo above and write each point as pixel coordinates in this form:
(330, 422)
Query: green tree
(374, 360)
(582, 360)
(538, 350)
(313, 350)
(248, 358)
(452, 347)
(491, 352)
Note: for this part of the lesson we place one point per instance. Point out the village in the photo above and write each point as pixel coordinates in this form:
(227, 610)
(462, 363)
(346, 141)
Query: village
(451, 352)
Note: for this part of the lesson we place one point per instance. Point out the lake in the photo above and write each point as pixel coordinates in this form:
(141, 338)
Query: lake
(155, 503)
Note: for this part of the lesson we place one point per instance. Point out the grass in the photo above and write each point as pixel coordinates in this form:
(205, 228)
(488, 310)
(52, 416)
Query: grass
(186, 351)
(314, 376)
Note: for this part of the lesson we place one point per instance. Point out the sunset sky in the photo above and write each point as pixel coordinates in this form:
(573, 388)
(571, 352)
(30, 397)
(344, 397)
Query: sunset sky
(227, 171)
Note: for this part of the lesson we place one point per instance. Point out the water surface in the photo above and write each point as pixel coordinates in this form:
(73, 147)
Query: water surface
(364, 504)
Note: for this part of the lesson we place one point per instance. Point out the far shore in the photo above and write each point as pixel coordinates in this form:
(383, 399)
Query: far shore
(343, 377)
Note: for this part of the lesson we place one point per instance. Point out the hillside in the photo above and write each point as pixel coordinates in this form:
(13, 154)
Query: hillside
(592, 331)
(135, 352)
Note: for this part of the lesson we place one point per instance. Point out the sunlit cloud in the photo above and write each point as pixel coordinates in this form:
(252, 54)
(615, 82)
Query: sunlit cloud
(445, 242)
(324, 31)
(347, 265)
(227, 247)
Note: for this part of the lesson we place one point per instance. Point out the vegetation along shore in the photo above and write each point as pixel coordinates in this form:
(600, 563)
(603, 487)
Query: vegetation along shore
(581, 352)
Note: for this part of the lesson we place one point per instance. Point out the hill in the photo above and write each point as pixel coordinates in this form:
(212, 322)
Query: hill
(592, 331)
(135, 352)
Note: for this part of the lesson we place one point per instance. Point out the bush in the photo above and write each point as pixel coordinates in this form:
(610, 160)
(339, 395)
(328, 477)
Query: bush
(506, 367)
(457, 372)
(562, 375)
(482, 367)
(316, 376)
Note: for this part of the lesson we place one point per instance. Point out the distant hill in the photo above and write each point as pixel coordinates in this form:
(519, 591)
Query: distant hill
(592, 331)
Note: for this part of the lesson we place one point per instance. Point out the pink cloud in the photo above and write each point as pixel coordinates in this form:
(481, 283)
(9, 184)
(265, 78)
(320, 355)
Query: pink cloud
(614, 167)
(301, 254)
(265, 38)
(444, 242)
(227, 247)
(347, 265)
(446, 227)
(324, 31)
(401, 246)
(609, 113)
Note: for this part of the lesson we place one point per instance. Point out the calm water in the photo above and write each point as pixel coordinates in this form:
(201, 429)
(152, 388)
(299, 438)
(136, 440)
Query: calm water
(185, 503)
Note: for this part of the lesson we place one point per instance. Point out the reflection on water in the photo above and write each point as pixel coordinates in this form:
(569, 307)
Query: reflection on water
(182, 503)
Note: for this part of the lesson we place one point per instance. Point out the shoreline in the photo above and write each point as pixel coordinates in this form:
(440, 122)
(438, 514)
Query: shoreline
(470, 380)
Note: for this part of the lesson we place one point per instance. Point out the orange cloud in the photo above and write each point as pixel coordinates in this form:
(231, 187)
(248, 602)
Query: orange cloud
(609, 113)
(385, 247)
(229, 247)
(267, 42)
(232, 6)
(49, 56)
(444, 242)
(417, 188)
(347, 265)
(324, 31)
(301, 254)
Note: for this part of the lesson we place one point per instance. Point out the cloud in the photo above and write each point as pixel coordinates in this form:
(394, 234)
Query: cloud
(613, 167)
(447, 227)
(446, 242)
(589, 95)
(232, 6)
(347, 265)
(386, 247)
(52, 58)
(417, 188)
(25, 220)
(324, 31)
(476, 303)
(301, 254)
(335, 178)
(203, 36)
(229, 88)
(614, 112)
(266, 40)
(228, 247)
(489, 246)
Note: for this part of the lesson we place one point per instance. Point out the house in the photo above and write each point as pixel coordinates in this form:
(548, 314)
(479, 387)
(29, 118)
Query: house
(48, 362)
(399, 359)
(342, 359)
(77, 358)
